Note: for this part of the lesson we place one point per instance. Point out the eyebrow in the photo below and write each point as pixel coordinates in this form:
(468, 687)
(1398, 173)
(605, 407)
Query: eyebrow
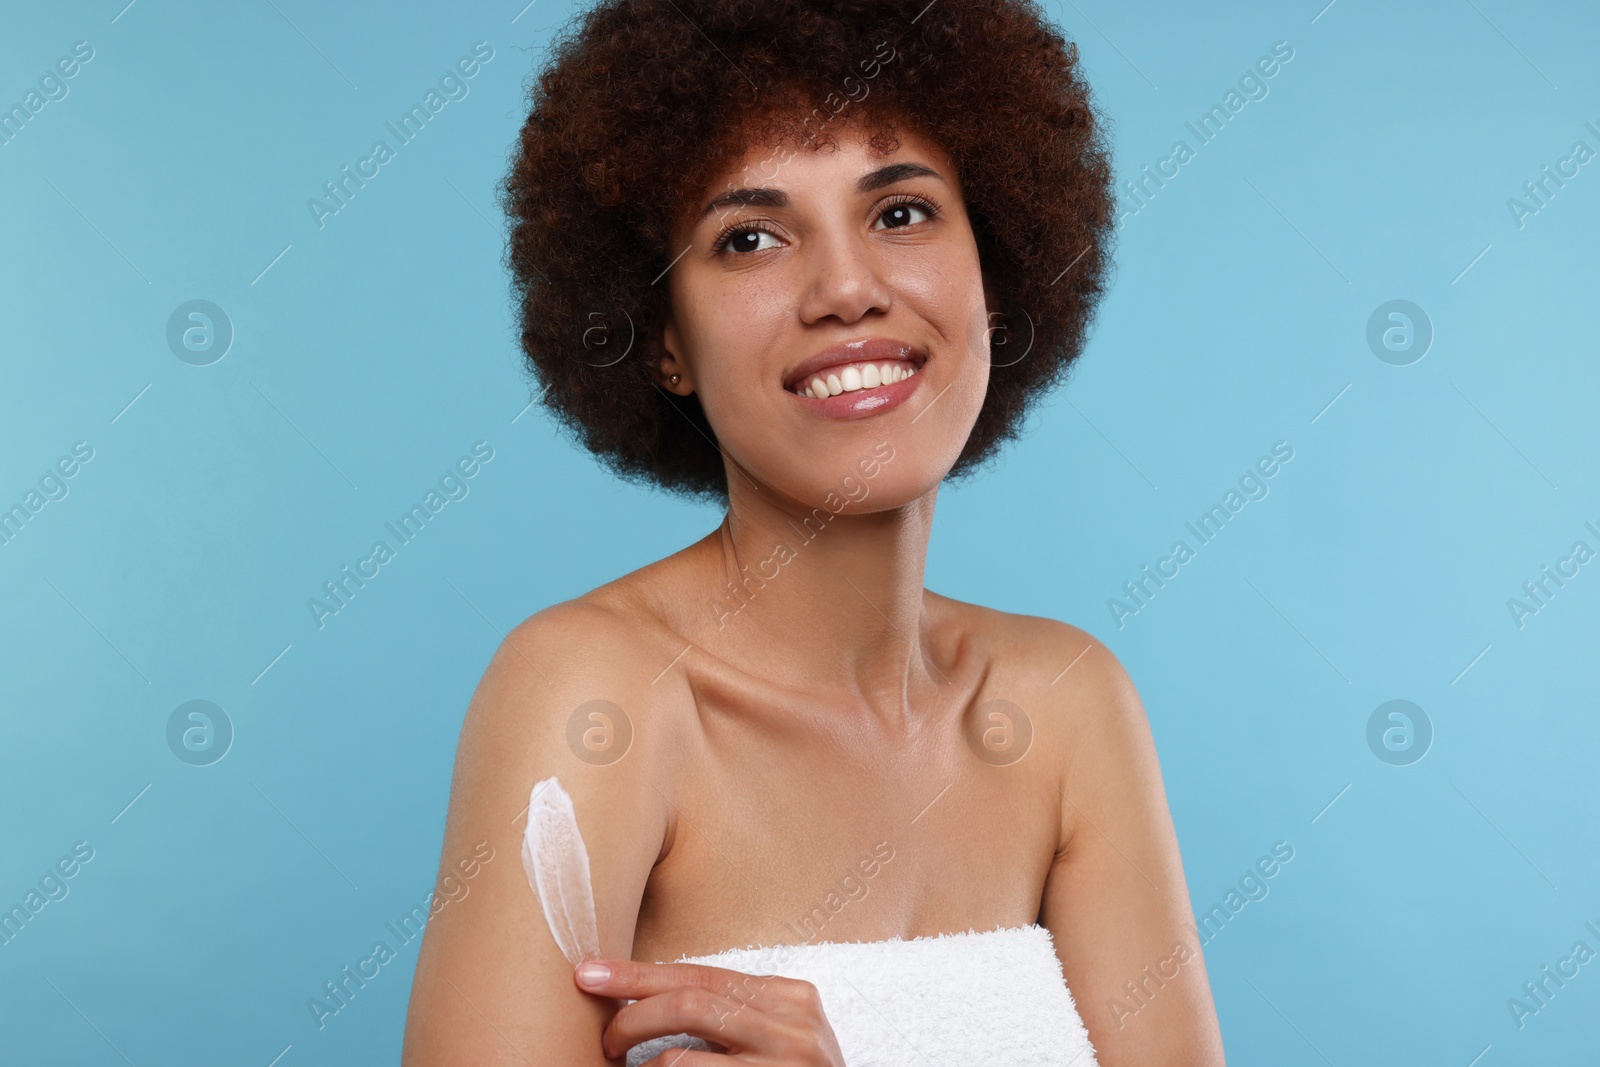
(766, 197)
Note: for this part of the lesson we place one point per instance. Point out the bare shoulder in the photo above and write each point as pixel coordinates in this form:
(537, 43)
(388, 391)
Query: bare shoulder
(566, 650)
(567, 695)
(1065, 672)
(1115, 898)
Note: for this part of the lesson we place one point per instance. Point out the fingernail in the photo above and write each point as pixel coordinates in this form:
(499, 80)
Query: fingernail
(593, 973)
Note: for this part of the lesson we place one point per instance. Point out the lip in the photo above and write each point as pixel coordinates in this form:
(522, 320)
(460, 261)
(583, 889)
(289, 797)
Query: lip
(860, 402)
(865, 349)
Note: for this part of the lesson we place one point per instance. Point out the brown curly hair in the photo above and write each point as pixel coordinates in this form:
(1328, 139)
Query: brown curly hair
(644, 101)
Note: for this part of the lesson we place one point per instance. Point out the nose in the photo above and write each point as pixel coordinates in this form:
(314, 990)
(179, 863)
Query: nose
(843, 280)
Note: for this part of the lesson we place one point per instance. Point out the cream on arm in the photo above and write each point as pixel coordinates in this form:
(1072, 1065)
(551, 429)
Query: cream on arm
(557, 865)
(494, 985)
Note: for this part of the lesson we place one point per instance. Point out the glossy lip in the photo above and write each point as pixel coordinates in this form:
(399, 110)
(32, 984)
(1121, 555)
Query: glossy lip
(861, 402)
(865, 349)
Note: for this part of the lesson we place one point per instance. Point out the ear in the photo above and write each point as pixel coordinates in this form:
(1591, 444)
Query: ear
(672, 362)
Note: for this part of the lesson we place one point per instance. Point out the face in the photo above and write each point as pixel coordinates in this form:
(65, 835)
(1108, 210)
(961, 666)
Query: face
(829, 312)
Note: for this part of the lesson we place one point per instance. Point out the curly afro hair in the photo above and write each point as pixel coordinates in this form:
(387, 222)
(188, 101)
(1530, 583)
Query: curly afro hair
(644, 101)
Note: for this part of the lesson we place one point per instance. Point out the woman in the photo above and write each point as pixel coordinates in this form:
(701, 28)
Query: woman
(810, 260)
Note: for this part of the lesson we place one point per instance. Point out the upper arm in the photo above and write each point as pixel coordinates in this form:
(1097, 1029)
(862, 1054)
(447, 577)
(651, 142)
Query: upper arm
(491, 986)
(1115, 901)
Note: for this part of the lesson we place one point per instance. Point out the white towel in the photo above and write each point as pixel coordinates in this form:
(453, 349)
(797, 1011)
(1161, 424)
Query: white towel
(955, 999)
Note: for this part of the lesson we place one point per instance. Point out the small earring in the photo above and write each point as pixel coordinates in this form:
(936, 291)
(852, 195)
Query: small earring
(674, 379)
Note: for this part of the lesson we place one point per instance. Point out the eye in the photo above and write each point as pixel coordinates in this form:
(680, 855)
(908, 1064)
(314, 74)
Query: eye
(908, 211)
(744, 238)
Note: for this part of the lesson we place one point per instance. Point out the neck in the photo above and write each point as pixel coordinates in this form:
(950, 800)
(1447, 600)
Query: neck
(828, 602)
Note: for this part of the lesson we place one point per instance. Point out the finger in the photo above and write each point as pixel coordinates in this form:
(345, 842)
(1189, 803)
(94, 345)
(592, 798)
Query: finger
(725, 1022)
(630, 979)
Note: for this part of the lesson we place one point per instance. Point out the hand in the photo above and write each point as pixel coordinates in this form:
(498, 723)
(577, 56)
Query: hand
(754, 1019)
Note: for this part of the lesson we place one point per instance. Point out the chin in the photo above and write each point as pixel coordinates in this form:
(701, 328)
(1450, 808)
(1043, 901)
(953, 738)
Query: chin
(884, 478)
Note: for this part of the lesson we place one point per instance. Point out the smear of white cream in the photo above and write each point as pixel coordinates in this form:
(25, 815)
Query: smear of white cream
(558, 869)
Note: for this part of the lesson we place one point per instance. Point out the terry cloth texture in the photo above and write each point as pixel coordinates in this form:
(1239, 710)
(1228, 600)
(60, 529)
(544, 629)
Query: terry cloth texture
(995, 997)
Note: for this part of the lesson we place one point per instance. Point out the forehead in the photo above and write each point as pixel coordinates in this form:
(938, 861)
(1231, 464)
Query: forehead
(844, 151)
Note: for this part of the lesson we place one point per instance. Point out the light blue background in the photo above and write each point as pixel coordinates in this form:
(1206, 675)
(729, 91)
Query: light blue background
(377, 349)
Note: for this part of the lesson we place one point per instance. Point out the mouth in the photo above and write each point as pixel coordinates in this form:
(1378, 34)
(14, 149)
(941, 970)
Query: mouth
(855, 367)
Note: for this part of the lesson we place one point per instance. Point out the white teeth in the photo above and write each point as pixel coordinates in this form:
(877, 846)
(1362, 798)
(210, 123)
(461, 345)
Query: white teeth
(853, 377)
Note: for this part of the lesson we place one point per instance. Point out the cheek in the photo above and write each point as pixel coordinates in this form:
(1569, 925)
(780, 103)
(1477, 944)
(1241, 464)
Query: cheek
(732, 321)
(947, 291)
(972, 386)
(731, 332)
(949, 298)
(975, 346)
